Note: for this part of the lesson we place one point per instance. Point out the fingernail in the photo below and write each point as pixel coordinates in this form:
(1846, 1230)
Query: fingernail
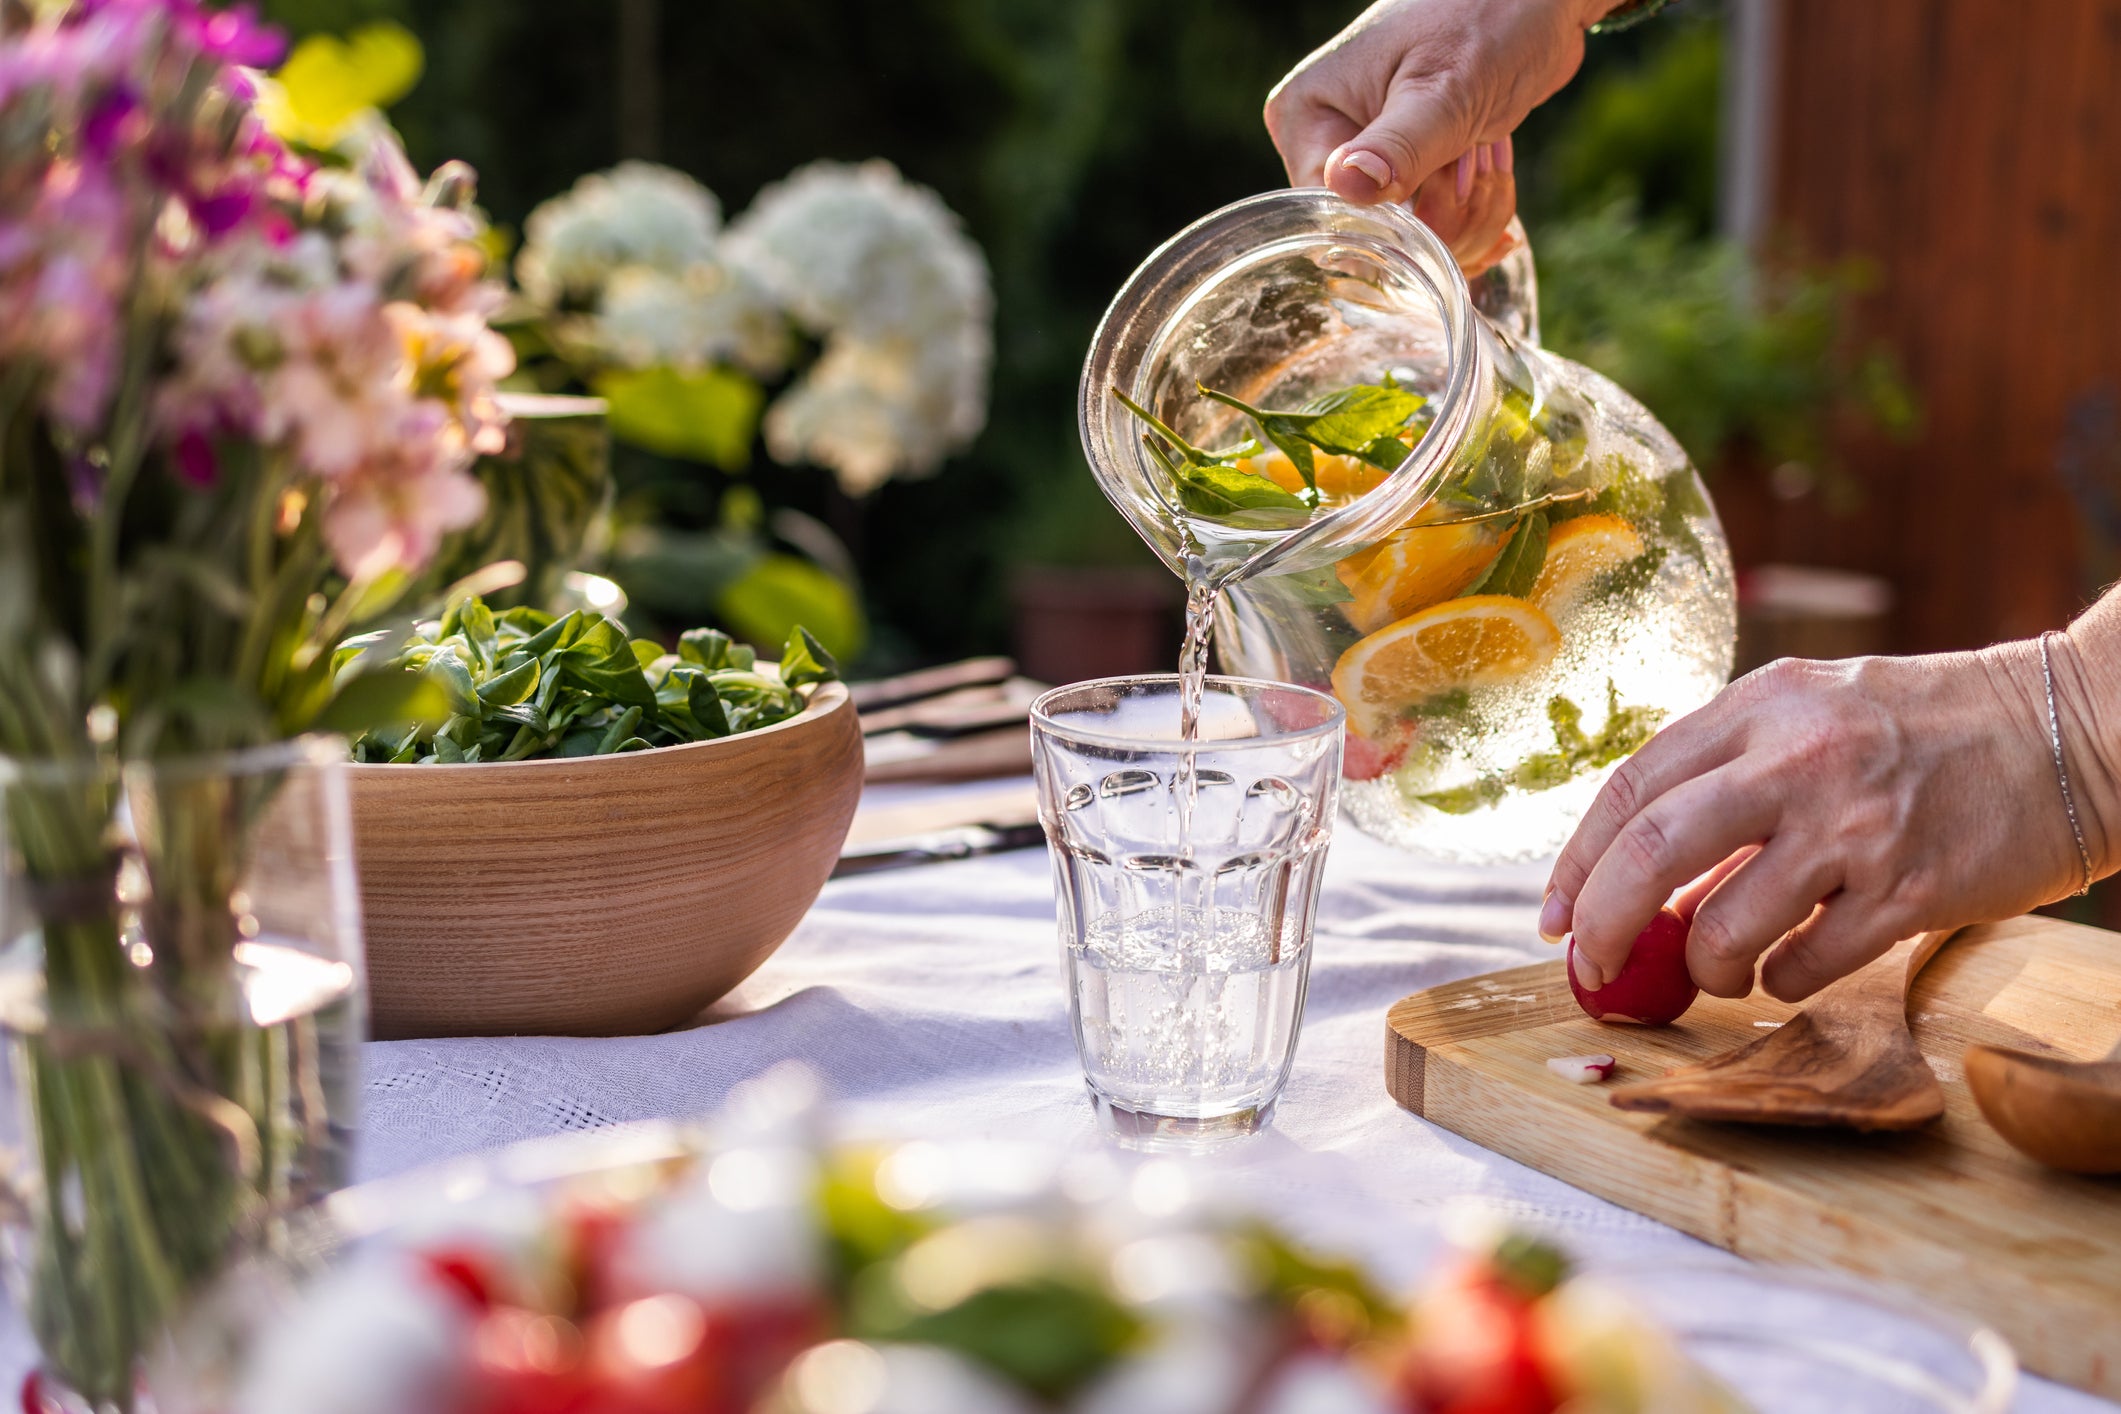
(1465, 176)
(1370, 165)
(1484, 158)
(1588, 975)
(1554, 917)
(1505, 156)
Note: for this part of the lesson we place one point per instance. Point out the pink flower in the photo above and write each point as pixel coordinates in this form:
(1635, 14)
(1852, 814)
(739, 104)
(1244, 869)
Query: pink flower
(394, 514)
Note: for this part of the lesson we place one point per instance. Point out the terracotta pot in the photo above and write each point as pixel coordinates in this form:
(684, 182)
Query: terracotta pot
(598, 896)
(1073, 624)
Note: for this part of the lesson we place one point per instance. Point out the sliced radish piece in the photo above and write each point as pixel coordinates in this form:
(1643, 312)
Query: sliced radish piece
(1583, 1070)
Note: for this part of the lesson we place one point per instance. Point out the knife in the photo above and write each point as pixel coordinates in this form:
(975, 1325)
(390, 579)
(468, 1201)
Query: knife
(938, 846)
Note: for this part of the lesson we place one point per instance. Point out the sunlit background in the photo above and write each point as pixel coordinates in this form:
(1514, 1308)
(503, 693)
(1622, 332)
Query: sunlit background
(1857, 258)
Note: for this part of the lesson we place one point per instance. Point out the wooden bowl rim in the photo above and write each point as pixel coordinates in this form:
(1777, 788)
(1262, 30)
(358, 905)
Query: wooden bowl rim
(828, 698)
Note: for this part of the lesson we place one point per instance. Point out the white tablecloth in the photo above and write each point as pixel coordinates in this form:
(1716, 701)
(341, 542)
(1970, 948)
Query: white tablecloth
(930, 1001)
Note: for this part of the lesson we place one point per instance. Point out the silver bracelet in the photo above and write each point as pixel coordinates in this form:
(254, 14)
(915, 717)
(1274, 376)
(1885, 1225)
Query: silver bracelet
(2054, 739)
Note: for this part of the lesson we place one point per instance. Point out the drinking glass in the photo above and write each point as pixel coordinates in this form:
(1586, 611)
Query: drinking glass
(1187, 875)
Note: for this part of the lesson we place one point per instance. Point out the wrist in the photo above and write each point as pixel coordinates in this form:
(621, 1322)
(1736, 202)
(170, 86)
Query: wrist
(2087, 666)
(2018, 676)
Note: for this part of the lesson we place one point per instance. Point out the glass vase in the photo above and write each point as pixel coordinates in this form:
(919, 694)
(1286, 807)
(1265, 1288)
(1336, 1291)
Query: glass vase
(181, 998)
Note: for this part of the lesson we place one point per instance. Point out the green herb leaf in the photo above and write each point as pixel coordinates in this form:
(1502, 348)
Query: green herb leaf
(1284, 430)
(805, 661)
(619, 732)
(602, 660)
(1352, 420)
(707, 647)
(451, 672)
(1516, 569)
(519, 684)
(1215, 491)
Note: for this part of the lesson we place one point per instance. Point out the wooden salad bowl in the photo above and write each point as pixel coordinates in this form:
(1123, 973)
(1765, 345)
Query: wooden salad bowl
(597, 896)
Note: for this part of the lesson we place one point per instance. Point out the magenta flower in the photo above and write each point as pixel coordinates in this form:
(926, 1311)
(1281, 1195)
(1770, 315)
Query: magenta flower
(193, 457)
(107, 123)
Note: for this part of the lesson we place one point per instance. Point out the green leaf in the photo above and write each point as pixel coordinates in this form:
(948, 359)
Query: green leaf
(1364, 421)
(1386, 453)
(525, 620)
(1464, 800)
(1516, 569)
(450, 671)
(704, 415)
(602, 660)
(781, 591)
(382, 698)
(557, 634)
(1217, 491)
(805, 661)
(706, 647)
(688, 701)
(477, 625)
(519, 684)
(1352, 420)
(1285, 430)
(619, 732)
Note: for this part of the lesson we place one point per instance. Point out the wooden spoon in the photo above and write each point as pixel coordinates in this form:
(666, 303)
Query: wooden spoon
(2065, 1113)
(1846, 1060)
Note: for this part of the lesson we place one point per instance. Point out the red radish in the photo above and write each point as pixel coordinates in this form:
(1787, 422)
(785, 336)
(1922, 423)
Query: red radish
(1363, 759)
(1654, 987)
(1583, 1070)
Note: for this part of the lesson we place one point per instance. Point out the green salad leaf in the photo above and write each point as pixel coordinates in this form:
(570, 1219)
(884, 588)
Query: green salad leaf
(521, 685)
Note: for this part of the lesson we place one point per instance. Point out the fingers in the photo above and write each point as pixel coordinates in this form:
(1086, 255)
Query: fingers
(1417, 132)
(1687, 901)
(1470, 203)
(1771, 893)
(1671, 841)
(1305, 132)
(1843, 935)
(1692, 746)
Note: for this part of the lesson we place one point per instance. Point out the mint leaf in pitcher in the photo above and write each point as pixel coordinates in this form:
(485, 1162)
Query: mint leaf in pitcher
(1365, 421)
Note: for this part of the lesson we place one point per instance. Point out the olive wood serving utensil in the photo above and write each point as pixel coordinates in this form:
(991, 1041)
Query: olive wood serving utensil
(1847, 1060)
(2064, 1113)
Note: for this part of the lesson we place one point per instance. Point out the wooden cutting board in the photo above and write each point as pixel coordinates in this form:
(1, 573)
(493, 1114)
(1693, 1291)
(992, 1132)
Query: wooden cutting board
(1950, 1214)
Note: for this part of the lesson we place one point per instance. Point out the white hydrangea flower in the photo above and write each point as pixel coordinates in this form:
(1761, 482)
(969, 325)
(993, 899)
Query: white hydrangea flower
(714, 312)
(638, 213)
(860, 250)
(869, 410)
(882, 270)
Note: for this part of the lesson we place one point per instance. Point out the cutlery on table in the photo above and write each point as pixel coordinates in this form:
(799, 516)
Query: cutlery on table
(961, 721)
(1847, 1060)
(958, 826)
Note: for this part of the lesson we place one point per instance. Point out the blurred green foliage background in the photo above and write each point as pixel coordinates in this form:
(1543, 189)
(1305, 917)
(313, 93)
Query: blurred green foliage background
(1073, 138)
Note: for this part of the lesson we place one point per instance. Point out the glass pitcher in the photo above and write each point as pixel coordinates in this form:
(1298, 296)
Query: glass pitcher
(1509, 589)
